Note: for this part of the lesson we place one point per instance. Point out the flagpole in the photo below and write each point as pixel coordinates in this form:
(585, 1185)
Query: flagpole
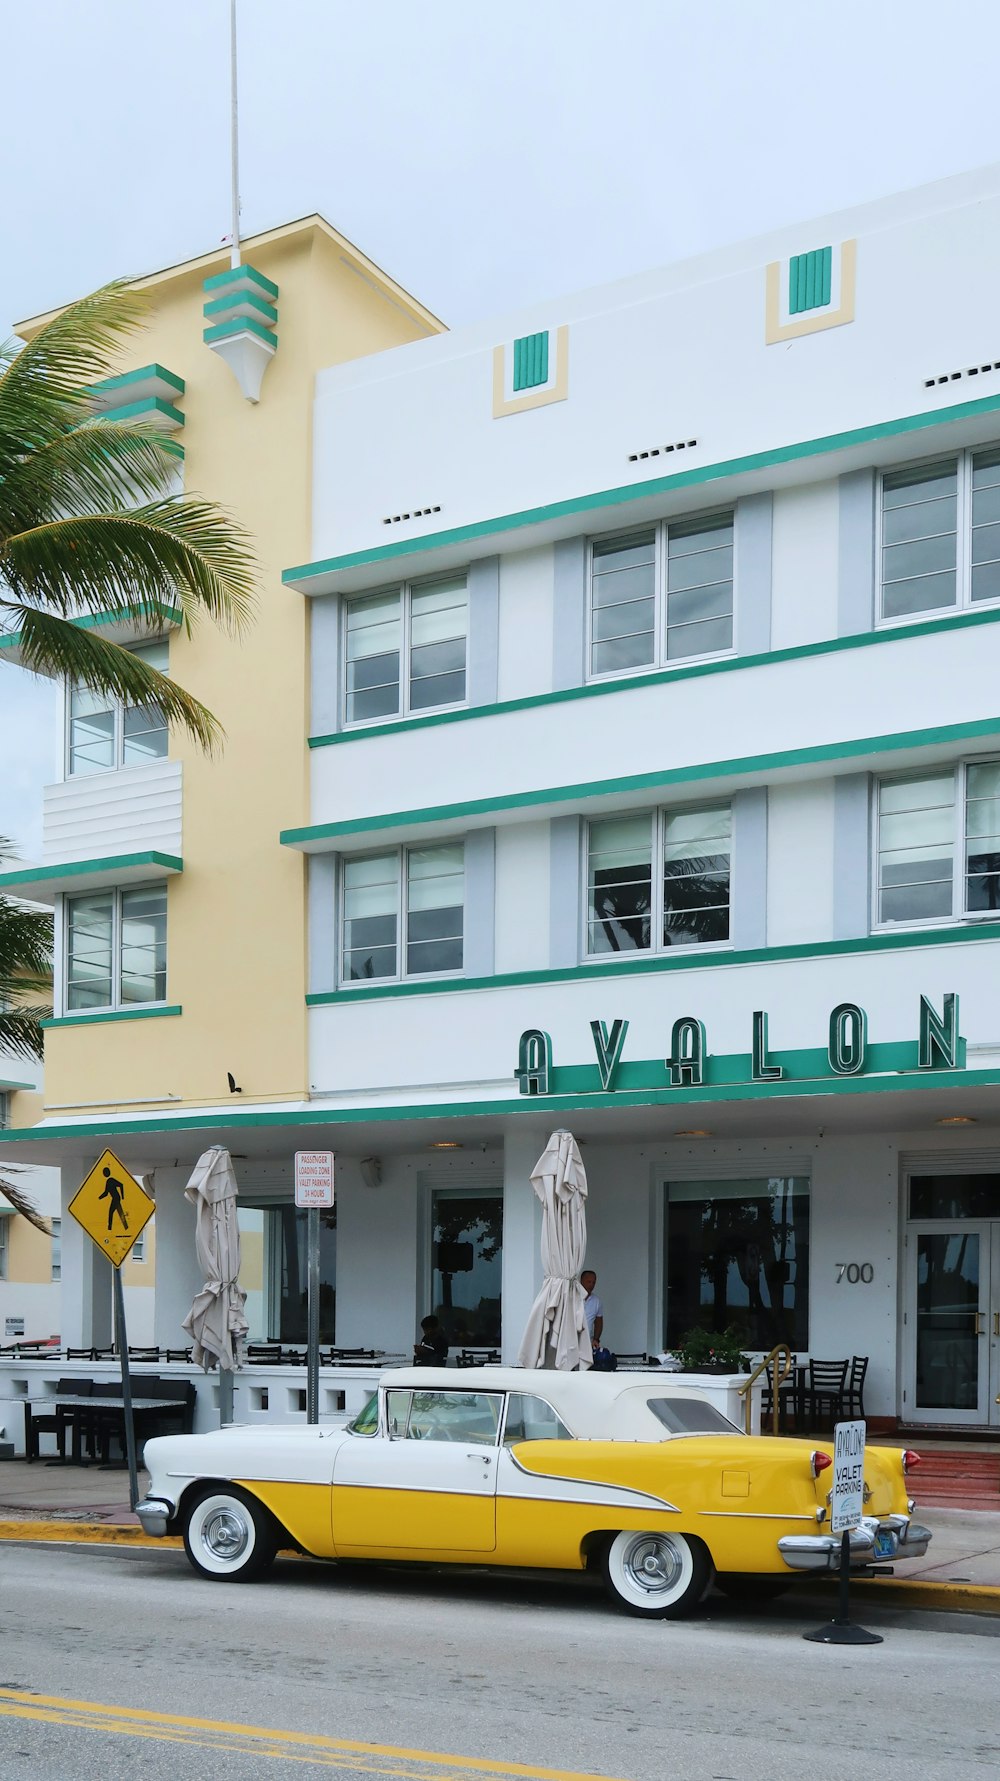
(234, 155)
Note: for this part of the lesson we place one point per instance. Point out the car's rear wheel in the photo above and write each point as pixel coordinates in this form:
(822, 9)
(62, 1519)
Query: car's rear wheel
(661, 1576)
(228, 1536)
(746, 1586)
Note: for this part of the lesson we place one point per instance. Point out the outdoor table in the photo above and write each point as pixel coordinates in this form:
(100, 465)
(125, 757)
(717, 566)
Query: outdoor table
(77, 1411)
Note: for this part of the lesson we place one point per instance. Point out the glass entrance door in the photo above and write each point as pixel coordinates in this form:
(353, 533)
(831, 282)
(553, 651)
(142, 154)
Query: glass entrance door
(953, 1322)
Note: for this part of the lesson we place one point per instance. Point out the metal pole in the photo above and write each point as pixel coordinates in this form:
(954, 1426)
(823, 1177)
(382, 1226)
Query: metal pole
(133, 1473)
(843, 1610)
(225, 1396)
(234, 152)
(312, 1353)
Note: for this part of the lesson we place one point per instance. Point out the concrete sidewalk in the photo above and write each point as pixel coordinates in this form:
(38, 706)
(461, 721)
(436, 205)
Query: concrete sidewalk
(59, 1502)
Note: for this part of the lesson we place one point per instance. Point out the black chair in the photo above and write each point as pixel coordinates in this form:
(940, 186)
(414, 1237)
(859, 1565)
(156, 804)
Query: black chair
(165, 1418)
(854, 1393)
(52, 1422)
(141, 1354)
(181, 1354)
(268, 1353)
(81, 1354)
(825, 1392)
(477, 1357)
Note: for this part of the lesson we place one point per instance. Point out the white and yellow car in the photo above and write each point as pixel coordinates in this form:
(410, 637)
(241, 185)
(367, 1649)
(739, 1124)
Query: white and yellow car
(635, 1473)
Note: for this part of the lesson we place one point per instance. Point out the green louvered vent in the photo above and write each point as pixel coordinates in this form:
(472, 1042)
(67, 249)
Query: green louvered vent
(531, 361)
(809, 280)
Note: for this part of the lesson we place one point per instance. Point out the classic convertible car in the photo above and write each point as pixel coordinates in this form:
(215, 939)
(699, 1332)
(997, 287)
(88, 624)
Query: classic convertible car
(637, 1474)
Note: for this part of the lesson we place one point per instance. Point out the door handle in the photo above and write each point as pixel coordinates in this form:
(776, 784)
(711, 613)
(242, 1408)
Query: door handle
(485, 1459)
(996, 1323)
(980, 1328)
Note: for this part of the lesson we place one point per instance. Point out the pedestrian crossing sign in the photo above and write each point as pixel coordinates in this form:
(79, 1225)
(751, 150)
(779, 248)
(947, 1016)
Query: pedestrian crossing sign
(112, 1208)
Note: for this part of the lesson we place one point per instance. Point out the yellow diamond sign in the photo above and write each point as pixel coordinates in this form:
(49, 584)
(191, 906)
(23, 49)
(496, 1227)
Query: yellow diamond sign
(112, 1207)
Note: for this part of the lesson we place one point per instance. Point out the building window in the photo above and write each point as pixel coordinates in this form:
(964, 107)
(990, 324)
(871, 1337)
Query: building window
(104, 734)
(4, 1221)
(737, 1252)
(287, 1309)
(685, 902)
(939, 844)
(940, 534)
(116, 948)
(403, 913)
(405, 650)
(467, 1265)
(56, 1250)
(662, 595)
(137, 1253)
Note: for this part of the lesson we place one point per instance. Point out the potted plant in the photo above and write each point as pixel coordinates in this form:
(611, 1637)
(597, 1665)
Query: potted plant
(712, 1351)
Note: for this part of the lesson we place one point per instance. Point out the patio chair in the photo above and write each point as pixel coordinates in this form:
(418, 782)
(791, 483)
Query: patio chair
(175, 1354)
(266, 1353)
(854, 1394)
(52, 1422)
(825, 1391)
(143, 1354)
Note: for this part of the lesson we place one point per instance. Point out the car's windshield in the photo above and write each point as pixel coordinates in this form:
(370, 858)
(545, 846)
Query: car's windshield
(366, 1421)
(691, 1416)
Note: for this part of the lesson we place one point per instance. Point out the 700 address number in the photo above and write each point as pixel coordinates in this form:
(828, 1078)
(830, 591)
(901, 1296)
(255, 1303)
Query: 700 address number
(853, 1272)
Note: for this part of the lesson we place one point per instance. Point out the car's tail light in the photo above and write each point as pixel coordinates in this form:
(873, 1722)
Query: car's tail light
(909, 1459)
(819, 1461)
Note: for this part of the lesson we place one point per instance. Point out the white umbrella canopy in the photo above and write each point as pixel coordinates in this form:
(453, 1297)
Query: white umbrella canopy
(555, 1334)
(216, 1322)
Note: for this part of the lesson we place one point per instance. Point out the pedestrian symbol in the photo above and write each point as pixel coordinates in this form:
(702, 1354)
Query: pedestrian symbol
(112, 1208)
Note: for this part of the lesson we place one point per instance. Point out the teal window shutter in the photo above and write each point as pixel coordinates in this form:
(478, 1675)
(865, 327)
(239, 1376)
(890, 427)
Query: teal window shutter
(809, 278)
(531, 361)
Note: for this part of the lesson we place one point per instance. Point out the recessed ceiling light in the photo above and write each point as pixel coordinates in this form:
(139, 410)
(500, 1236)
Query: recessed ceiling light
(957, 1119)
(444, 1144)
(694, 1132)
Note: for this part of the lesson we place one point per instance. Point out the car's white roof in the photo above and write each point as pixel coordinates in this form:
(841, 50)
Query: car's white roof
(595, 1404)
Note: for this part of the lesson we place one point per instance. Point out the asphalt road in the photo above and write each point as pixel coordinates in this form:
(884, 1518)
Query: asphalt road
(114, 1660)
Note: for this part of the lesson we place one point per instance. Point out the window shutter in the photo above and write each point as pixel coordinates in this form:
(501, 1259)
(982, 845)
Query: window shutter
(531, 361)
(809, 277)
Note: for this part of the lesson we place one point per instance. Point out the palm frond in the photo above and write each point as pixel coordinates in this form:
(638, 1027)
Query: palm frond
(52, 375)
(24, 1204)
(98, 465)
(54, 645)
(170, 549)
(21, 1032)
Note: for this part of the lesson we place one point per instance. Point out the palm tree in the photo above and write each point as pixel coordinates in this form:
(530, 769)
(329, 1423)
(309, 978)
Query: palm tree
(25, 961)
(87, 525)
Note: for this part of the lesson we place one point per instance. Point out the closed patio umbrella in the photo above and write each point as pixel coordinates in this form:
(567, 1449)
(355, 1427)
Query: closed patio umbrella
(555, 1334)
(216, 1322)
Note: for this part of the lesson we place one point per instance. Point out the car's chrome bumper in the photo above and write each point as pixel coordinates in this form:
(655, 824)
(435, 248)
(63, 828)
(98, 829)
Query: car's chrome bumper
(154, 1514)
(821, 1552)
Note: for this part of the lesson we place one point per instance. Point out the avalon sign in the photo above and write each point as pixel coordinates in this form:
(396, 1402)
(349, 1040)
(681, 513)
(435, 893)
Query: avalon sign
(691, 1065)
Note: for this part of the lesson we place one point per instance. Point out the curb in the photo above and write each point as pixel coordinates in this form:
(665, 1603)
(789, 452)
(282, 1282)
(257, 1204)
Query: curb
(93, 1533)
(953, 1598)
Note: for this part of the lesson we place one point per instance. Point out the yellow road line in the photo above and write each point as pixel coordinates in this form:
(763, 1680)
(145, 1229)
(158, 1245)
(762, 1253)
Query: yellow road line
(288, 1746)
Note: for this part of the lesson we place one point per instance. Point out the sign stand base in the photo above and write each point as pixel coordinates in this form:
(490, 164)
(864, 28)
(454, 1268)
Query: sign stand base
(841, 1630)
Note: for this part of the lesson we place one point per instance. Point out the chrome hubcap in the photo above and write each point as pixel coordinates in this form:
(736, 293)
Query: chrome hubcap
(225, 1534)
(651, 1563)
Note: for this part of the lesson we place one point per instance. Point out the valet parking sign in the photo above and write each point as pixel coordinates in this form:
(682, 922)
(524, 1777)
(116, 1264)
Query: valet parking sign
(848, 1496)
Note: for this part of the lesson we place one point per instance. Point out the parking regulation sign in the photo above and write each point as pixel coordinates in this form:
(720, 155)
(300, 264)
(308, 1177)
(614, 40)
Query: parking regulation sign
(314, 1178)
(848, 1496)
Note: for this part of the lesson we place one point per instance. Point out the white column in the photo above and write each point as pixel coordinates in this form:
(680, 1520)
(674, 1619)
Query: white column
(85, 1318)
(178, 1276)
(522, 1230)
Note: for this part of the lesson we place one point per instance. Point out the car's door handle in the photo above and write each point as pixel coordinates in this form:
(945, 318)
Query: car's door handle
(485, 1459)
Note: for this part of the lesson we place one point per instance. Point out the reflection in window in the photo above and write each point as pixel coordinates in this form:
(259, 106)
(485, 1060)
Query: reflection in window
(687, 906)
(916, 840)
(104, 734)
(737, 1252)
(661, 595)
(432, 912)
(425, 627)
(941, 534)
(288, 1313)
(116, 948)
(467, 1247)
(454, 1416)
(532, 1419)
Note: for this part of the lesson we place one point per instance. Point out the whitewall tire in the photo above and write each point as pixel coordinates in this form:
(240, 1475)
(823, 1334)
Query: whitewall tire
(228, 1536)
(661, 1576)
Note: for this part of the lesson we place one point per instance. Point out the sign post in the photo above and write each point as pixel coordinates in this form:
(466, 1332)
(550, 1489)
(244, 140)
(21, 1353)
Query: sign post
(313, 1193)
(114, 1230)
(847, 1503)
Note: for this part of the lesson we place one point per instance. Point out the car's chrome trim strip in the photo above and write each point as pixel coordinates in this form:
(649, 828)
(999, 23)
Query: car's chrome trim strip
(621, 1490)
(754, 1515)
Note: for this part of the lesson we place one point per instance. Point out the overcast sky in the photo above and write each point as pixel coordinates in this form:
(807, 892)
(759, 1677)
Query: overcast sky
(486, 154)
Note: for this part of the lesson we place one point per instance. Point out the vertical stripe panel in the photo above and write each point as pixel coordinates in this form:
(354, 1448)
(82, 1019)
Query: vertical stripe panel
(827, 275)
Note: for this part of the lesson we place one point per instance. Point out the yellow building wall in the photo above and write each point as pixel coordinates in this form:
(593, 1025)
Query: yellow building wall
(29, 1254)
(236, 918)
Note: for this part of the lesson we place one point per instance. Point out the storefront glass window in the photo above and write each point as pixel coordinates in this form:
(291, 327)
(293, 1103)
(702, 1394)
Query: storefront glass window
(467, 1241)
(954, 1196)
(287, 1313)
(737, 1253)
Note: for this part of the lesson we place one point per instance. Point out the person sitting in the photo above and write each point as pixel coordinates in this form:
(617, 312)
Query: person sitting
(431, 1350)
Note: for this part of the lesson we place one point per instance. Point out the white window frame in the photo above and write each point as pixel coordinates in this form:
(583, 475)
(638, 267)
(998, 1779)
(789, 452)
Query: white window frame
(405, 589)
(963, 601)
(116, 1003)
(401, 975)
(960, 916)
(137, 1253)
(55, 1253)
(661, 529)
(659, 812)
(118, 708)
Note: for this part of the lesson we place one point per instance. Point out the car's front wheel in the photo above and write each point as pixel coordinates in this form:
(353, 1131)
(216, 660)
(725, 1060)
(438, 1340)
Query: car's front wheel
(658, 1575)
(229, 1537)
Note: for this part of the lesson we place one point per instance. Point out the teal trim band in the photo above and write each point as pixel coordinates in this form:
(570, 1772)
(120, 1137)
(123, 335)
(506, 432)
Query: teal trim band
(648, 782)
(8, 1087)
(241, 325)
(100, 1017)
(652, 966)
(596, 689)
(638, 491)
(143, 375)
(150, 405)
(95, 621)
(223, 305)
(241, 275)
(167, 862)
(530, 1105)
